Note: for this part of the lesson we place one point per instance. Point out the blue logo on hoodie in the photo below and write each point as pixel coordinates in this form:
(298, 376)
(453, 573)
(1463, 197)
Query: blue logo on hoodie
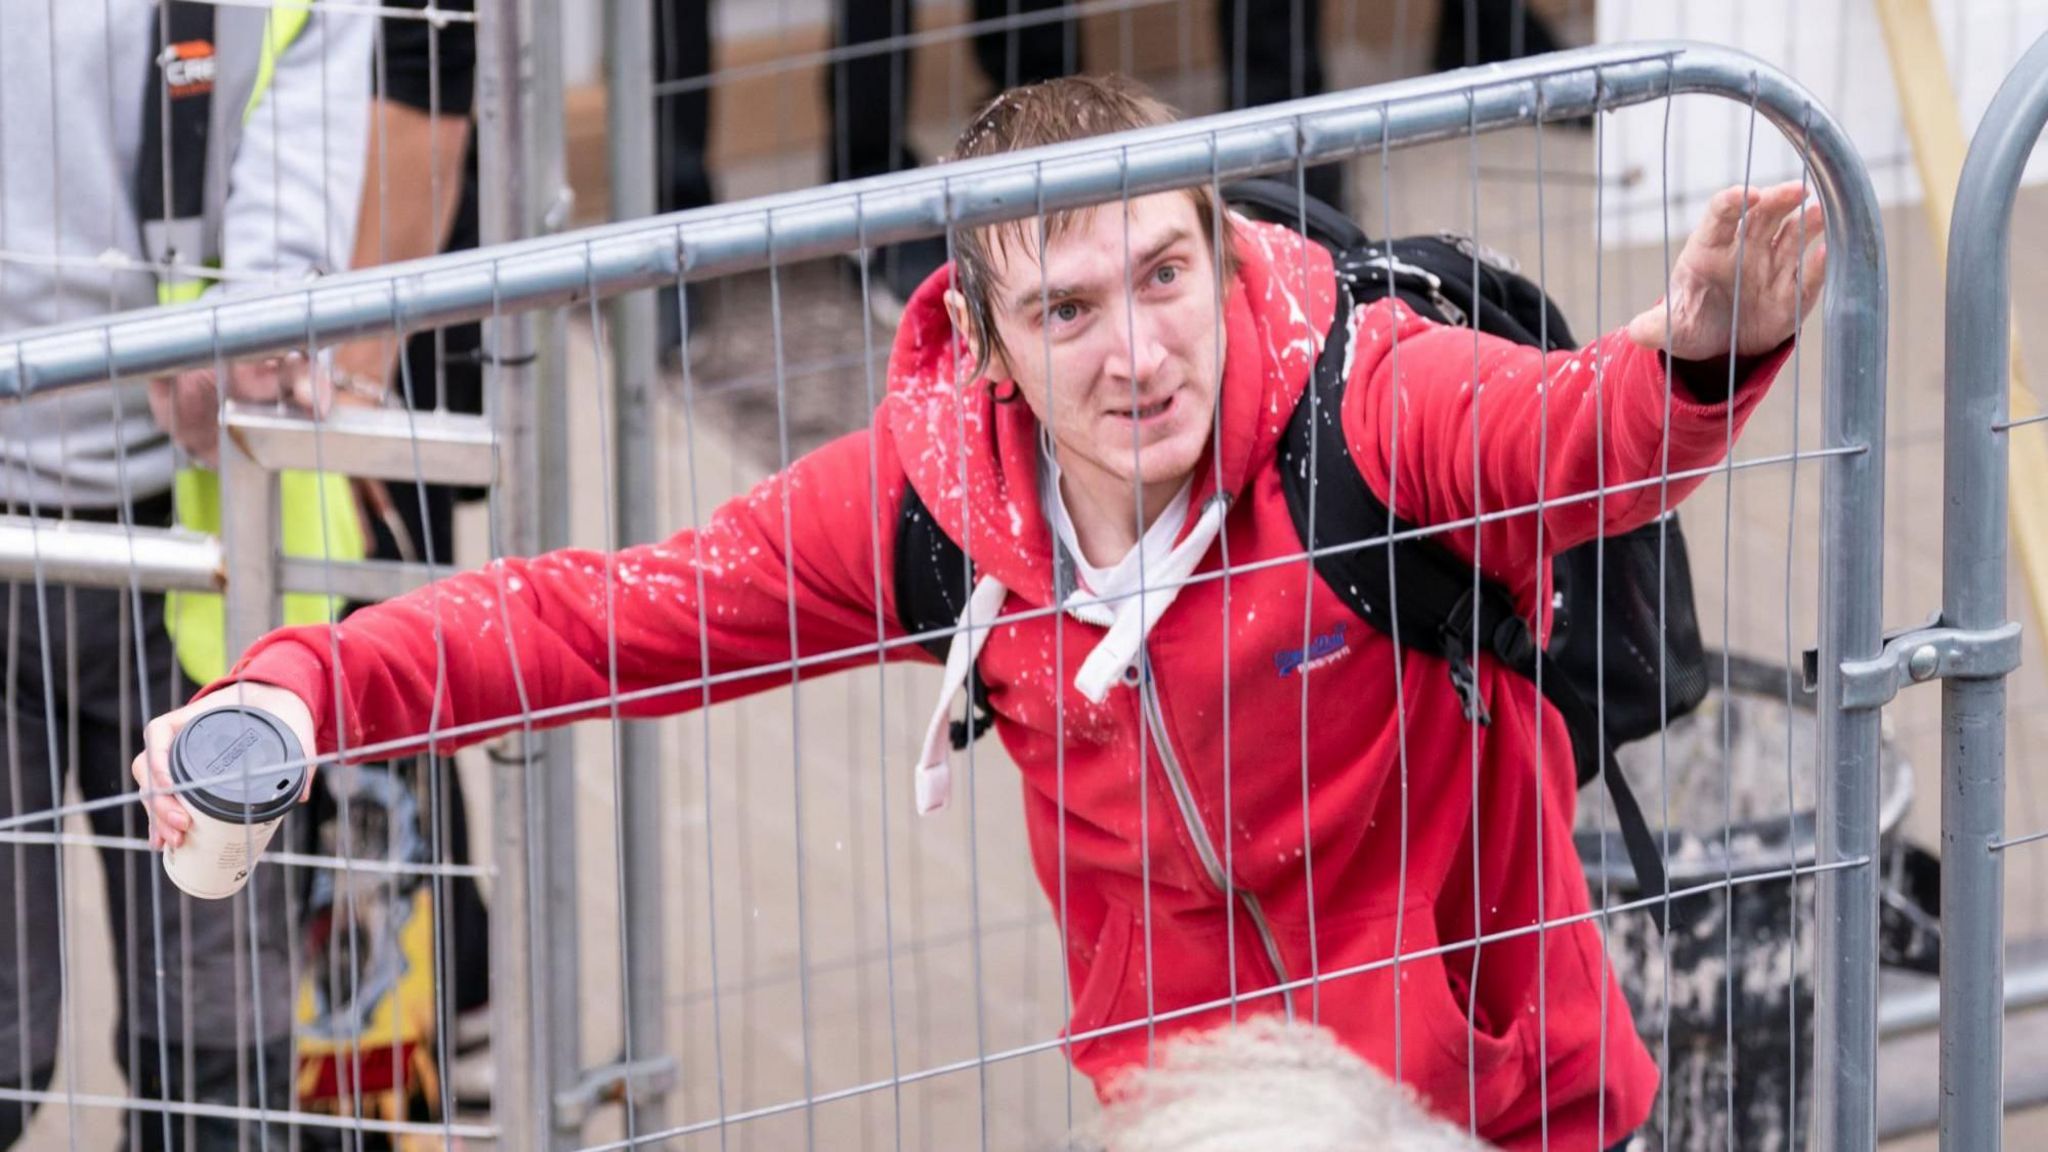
(1321, 650)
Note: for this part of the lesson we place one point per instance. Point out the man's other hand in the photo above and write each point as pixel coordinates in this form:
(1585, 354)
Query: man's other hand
(1742, 270)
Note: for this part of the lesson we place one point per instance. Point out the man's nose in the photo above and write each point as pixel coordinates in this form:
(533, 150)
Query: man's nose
(1140, 350)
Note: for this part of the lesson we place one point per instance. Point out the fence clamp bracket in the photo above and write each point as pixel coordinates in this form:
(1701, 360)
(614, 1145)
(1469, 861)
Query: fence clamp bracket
(650, 1080)
(1917, 655)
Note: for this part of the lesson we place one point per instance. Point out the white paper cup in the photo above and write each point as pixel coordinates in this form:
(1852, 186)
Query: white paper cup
(245, 763)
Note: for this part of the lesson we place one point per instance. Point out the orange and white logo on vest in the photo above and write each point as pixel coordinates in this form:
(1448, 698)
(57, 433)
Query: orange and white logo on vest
(188, 68)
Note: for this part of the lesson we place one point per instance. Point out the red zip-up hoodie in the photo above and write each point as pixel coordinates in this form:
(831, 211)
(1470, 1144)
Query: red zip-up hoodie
(1237, 811)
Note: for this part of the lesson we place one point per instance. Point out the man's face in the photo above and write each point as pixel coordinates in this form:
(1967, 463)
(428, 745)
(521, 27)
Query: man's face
(1114, 340)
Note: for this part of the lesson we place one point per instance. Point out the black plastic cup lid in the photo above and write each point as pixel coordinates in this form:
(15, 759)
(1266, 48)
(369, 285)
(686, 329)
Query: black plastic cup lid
(246, 762)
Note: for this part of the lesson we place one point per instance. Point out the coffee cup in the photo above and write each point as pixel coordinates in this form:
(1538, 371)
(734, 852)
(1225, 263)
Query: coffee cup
(238, 771)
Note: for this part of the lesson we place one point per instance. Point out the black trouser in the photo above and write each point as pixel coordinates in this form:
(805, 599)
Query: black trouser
(868, 97)
(1488, 31)
(84, 669)
(682, 33)
(1272, 51)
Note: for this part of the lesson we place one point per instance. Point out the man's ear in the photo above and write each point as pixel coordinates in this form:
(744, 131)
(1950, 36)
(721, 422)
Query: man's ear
(992, 365)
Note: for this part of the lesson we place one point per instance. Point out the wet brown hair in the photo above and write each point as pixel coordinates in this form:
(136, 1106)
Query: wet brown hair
(1055, 112)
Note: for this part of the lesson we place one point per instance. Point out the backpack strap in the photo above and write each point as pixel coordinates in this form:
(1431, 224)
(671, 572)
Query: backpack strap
(170, 177)
(1280, 203)
(1450, 278)
(1413, 589)
(931, 592)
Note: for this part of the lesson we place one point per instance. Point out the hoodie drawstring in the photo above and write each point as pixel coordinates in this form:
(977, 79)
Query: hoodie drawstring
(934, 771)
(1105, 664)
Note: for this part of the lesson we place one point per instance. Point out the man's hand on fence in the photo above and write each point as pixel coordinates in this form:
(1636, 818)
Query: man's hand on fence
(1767, 244)
(169, 819)
(187, 405)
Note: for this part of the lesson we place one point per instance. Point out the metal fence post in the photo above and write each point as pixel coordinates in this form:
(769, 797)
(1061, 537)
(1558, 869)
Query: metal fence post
(521, 1044)
(1852, 561)
(629, 111)
(1973, 598)
(249, 546)
(543, 171)
(1851, 623)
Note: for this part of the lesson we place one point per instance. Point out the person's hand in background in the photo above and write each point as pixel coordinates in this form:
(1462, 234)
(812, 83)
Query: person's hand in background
(187, 405)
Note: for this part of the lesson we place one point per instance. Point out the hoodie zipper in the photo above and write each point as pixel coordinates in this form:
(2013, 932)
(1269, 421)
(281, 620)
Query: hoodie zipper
(1191, 818)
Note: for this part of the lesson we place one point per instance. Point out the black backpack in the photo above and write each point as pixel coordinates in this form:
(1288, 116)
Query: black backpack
(1440, 610)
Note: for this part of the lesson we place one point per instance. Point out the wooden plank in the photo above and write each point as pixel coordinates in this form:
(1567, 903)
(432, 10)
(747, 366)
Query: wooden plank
(1934, 122)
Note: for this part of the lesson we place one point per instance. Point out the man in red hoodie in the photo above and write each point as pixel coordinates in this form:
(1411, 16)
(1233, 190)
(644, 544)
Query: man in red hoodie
(1090, 405)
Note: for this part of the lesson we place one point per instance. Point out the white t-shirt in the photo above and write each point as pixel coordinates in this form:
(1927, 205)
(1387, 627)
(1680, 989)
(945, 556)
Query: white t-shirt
(1123, 579)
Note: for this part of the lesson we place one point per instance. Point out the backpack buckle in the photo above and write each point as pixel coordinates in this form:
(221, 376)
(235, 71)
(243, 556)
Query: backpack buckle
(1465, 681)
(1514, 644)
(1453, 641)
(1486, 254)
(1453, 315)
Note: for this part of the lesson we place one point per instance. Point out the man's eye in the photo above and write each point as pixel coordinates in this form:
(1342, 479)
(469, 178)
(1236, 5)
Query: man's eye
(1066, 312)
(1167, 274)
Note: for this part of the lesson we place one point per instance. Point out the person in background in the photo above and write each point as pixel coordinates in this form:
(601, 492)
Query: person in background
(156, 154)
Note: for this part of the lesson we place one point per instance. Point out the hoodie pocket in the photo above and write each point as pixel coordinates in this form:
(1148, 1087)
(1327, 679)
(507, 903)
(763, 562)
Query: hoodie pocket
(1184, 986)
(1097, 990)
(1485, 1069)
(1465, 1072)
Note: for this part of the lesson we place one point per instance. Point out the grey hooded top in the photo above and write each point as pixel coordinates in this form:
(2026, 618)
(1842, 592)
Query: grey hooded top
(282, 184)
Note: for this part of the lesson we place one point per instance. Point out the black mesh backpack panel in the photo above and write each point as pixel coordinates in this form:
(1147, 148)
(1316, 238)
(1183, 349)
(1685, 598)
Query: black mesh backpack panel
(1629, 631)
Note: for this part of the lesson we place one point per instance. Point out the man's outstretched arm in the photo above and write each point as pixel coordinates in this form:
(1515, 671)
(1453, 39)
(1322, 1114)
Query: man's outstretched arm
(1446, 424)
(563, 632)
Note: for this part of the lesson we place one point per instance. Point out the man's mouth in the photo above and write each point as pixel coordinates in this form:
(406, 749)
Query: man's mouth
(1145, 413)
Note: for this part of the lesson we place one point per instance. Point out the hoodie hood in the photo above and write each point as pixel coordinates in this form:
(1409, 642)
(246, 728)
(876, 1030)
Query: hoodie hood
(974, 462)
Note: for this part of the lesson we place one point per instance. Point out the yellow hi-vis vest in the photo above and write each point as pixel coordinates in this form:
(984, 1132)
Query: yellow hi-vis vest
(317, 510)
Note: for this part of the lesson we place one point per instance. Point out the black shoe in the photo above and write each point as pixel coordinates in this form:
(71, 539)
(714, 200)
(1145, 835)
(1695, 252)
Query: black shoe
(1494, 39)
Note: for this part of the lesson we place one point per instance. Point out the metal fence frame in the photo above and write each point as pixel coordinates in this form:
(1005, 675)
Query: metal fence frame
(504, 284)
(1975, 540)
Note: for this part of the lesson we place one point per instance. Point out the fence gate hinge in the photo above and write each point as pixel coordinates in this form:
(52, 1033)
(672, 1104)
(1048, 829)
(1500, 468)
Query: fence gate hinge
(1917, 655)
(651, 1080)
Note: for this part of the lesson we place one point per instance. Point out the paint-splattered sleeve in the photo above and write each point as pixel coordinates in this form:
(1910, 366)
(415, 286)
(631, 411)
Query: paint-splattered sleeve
(707, 614)
(1446, 427)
